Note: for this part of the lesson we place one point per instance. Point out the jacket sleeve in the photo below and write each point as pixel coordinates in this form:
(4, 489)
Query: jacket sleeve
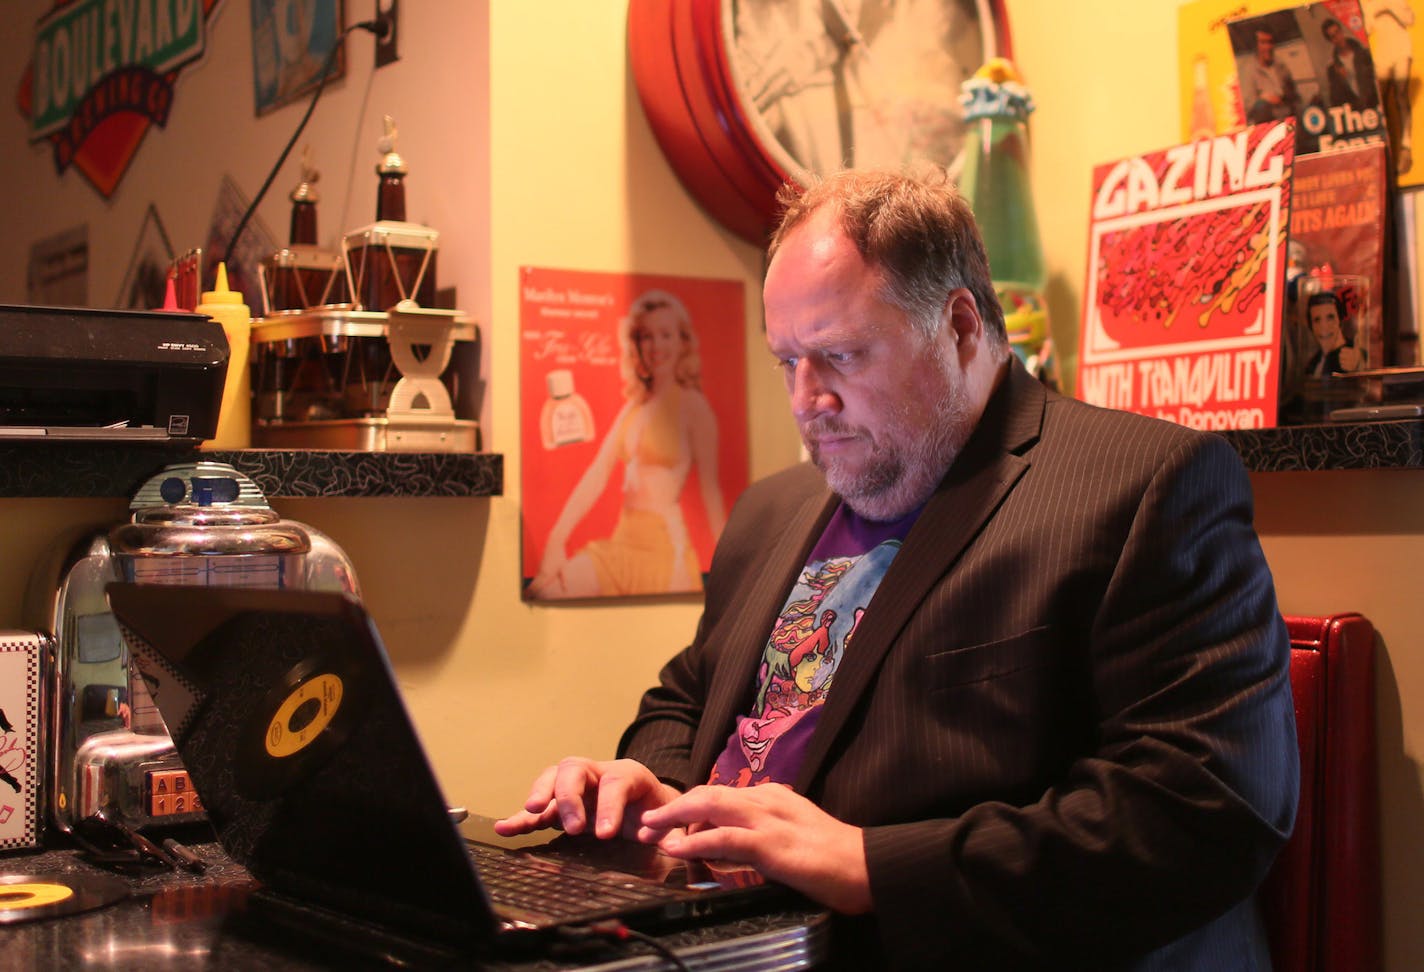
(1189, 789)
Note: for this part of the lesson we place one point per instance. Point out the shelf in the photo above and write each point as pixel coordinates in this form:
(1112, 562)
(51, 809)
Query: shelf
(1338, 445)
(96, 469)
(93, 469)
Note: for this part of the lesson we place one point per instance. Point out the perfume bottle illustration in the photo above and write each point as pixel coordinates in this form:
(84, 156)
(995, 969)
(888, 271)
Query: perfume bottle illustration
(566, 417)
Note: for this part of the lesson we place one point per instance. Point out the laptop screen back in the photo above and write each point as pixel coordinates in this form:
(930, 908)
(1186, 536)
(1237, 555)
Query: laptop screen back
(286, 715)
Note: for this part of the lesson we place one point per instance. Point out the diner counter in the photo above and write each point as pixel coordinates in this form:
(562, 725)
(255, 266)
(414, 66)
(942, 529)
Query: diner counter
(174, 920)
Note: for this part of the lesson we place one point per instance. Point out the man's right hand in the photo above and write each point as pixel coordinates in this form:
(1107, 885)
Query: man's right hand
(614, 793)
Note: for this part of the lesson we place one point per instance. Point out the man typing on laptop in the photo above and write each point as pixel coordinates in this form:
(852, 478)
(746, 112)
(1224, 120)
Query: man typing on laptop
(1000, 677)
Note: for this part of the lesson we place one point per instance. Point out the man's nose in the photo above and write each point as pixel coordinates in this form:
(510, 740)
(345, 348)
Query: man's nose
(811, 395)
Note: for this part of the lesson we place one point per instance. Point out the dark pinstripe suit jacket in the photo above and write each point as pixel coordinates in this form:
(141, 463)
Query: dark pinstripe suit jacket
(1065, 721)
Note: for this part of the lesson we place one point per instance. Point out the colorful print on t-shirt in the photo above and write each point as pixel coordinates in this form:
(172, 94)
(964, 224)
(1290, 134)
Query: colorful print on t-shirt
(811, 636)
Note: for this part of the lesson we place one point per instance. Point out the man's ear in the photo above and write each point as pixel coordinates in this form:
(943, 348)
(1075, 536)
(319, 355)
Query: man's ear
(963, 323)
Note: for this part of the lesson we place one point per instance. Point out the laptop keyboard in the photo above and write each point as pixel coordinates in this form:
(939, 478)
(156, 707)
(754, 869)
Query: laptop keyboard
(554, 891)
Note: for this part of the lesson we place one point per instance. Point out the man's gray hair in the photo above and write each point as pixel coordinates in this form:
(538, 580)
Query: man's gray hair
(915, 226)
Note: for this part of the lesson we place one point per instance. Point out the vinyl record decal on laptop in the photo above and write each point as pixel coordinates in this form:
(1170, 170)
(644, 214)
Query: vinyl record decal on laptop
(305, 717)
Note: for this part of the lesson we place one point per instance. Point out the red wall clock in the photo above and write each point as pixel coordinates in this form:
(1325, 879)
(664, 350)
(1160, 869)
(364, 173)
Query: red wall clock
(744, 95)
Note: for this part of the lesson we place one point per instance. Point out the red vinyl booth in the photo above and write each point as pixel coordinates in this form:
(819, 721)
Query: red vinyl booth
(1321, 901)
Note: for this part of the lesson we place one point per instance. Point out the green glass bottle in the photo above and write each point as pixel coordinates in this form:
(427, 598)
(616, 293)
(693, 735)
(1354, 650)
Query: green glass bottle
(994, 178)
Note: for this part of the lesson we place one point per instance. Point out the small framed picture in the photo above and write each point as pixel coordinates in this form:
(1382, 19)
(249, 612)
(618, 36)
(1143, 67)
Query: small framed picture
(291, 41)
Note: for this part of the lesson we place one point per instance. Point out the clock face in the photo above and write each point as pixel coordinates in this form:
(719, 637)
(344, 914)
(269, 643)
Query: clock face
(744, 95)
(833, 83)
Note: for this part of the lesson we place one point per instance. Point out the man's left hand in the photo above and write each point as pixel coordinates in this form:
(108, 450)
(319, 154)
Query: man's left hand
(772, 828)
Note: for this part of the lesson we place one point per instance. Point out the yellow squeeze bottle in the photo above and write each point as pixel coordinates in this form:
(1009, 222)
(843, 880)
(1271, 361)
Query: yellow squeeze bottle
(235, 417)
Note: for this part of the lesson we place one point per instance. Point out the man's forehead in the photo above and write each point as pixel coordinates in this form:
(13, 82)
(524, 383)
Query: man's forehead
(818, 253)
(833, 326)
(819, 238)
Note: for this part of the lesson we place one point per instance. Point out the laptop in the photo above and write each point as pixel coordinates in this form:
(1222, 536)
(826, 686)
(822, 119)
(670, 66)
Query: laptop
(287, 716)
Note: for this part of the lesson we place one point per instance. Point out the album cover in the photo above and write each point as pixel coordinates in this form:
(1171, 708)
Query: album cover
(1206, 69)
(1186, 272)
(1311, 63)
(1336, 265)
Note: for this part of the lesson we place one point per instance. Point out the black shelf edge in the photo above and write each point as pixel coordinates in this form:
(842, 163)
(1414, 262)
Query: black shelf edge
(1395, 444)
(97, 469)
(101, 469)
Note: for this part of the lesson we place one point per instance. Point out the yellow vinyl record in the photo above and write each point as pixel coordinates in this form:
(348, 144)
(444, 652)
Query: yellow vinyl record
(28, 897)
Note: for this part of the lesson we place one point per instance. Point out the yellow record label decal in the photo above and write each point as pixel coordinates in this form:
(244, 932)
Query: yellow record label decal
(303, 715)
(33, 895)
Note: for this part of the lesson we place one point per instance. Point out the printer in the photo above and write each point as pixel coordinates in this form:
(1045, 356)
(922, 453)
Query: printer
(76, 374)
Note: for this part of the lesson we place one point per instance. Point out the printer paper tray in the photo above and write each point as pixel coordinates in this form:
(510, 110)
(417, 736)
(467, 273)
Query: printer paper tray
(69, 433)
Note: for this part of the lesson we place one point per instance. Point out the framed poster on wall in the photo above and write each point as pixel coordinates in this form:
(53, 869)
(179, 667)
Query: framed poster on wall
(1186, 280)
(633, 429)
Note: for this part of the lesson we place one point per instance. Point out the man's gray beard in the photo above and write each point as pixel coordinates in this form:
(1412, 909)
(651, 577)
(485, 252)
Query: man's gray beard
(897, 482)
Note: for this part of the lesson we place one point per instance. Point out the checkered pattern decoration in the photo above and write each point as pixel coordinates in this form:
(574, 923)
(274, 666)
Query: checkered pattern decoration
(23, 659)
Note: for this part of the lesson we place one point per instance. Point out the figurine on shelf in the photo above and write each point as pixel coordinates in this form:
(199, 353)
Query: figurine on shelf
(302, 275)
(390, 194)
(1332, 328)
(304, 198)
(391, 261)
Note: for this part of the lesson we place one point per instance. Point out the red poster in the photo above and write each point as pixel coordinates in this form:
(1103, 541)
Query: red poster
(633, 429)
(1186, 267)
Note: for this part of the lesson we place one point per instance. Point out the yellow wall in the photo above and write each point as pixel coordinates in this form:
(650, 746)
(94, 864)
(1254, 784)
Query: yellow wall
(571, 178)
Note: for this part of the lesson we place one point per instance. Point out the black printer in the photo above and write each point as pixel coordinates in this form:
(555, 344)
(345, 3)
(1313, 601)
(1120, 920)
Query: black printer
(69, 373)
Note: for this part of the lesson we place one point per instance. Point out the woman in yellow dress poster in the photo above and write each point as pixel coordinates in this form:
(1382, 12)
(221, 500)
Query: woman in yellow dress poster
(658, 467)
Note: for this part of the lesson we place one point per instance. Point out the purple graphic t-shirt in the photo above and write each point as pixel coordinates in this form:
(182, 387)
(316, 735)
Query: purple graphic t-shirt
(807, 643)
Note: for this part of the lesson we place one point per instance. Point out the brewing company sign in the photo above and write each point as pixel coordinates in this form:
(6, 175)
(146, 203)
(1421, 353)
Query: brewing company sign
(103, 72)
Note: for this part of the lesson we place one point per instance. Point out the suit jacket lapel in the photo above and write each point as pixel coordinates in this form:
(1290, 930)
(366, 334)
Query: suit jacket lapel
(983, 474)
